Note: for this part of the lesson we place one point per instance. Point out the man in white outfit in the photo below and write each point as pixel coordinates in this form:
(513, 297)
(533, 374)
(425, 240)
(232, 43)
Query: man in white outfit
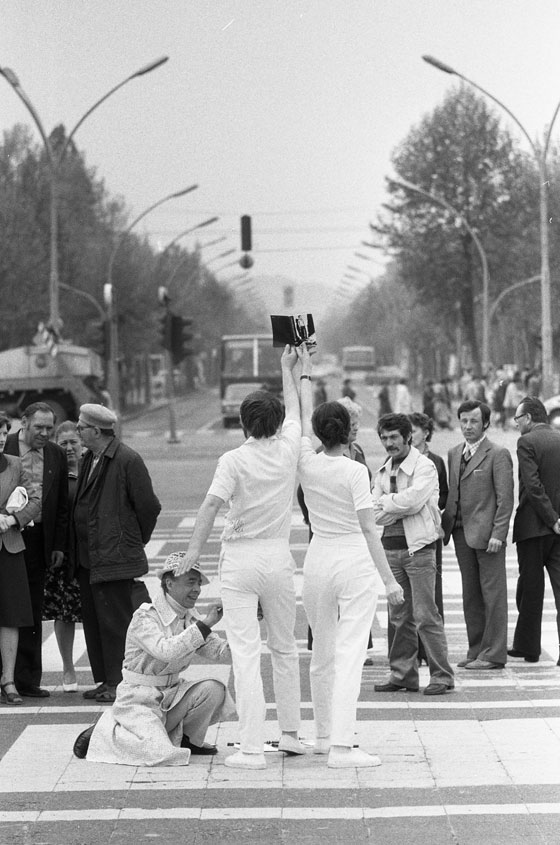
(256, 565)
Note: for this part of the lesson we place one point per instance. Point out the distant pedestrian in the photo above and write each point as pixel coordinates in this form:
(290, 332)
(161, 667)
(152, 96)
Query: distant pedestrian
(348, 389)
(403, 400)
(384, 400)
(428, 399)
(320, 393)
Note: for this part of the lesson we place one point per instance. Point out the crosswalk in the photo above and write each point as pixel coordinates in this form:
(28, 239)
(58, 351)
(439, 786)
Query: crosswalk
(490, 751)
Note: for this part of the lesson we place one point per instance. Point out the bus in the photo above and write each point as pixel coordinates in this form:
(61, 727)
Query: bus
(358, 360)
(247, 362)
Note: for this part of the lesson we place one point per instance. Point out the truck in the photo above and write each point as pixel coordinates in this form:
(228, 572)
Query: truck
(65, 381)
(247, 362)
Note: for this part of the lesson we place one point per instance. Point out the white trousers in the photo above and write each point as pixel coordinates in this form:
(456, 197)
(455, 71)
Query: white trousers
(339, 597)
(253, 571)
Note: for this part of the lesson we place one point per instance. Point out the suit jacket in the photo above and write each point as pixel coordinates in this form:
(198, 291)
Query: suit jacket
(15, 476)
(486, 490)
(538, 453)
(54, 504)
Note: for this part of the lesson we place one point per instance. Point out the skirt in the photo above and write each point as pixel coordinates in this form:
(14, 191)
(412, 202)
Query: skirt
(15, 601)
(62, 597)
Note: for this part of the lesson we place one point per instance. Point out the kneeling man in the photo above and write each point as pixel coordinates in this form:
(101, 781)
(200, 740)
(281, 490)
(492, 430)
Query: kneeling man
(160, 718)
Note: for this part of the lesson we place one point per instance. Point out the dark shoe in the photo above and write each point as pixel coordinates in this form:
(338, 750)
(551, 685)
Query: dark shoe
(390, 687)
(368, 661)
(529, 658)
(438, 689)
(33, 692)
(483, 664)
(82, 743)
(205, 749)
(107, 695)
(92, 693)
(10, 697)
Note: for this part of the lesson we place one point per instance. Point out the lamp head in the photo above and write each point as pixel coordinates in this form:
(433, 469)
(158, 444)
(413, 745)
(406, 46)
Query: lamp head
(439, 65)
(152, 66)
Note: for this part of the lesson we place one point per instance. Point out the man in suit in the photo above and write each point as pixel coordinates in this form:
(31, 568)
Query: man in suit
(536, 527)
(477, 515)
(45, 540)
(114, 513)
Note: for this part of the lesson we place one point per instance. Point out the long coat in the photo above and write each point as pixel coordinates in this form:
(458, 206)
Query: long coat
(486, 489)
(159, 646)
(15, 476)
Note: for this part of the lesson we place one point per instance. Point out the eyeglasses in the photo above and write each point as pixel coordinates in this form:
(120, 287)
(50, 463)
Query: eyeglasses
(520, 417)
(80, 427)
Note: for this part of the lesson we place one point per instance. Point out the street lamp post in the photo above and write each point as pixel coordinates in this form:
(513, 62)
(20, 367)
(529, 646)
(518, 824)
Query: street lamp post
(540, 155)
(188, 232)
(483, 260)
(113, 378)
(55, 163)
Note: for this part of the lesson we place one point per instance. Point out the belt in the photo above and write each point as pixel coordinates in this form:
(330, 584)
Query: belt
(139, 679)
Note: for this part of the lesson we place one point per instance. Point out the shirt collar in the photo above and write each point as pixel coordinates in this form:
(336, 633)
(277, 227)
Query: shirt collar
(407, 465)
(470, 448)
(167, 613)
(24, 448)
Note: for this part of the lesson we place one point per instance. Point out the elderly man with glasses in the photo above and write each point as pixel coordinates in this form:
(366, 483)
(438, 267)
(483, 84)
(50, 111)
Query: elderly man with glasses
(536, 527)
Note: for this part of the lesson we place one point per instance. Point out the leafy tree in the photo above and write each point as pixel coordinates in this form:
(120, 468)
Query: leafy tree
(460, 153)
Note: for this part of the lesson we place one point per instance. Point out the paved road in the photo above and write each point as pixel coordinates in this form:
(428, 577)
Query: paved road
(481, 765)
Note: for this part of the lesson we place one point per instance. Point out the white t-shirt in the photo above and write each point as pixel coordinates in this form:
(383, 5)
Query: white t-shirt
(334, 489)
(258, 480)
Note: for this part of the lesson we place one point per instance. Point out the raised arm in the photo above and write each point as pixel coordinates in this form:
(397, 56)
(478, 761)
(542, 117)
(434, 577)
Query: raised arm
(306, 394)
(291, 397)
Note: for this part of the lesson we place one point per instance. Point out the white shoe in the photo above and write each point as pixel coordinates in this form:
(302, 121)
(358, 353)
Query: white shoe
(353, 759)
(290, 745)
(240, 760)
(322, 745)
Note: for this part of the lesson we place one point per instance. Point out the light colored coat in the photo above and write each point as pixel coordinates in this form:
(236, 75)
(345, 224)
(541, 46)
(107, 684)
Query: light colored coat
(159, 646)
(415, 502)
(15, 476)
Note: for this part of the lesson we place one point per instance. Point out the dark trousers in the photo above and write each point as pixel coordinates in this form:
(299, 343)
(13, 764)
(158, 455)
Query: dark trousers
(29, 664)
(106, 612)
(533, 556)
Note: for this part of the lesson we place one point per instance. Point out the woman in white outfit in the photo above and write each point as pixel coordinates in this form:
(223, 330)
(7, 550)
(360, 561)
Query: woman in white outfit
(256, 566)
(339, 575)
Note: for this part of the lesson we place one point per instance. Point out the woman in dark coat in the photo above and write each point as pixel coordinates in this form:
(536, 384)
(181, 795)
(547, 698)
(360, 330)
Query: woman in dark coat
(15, 601)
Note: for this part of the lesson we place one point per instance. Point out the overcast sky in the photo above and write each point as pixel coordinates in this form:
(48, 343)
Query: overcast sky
(287, 110)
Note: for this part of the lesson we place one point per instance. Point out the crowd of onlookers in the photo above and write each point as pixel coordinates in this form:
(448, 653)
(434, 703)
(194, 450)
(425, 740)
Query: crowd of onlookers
(77, 508)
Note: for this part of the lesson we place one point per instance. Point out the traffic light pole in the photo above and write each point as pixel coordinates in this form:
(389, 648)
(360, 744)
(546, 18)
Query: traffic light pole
(170, 395)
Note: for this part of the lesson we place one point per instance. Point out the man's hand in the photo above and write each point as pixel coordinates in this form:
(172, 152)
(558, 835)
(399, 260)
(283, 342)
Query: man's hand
(494, 546)
(382, 518)
(57, 559)
(394, 593)
(215, 613)
(556, 527)
(289, 358)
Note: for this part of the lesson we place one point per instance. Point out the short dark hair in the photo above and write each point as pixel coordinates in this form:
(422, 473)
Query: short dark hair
(5, 420)
(395, 422)
(38, 408)
(261, 414)
(472, 405)
(532, 405)
(331, 424)
(424, 422)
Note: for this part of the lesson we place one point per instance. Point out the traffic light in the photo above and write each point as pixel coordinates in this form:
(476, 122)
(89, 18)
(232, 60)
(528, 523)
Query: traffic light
(165, 330)
(181, 337)
(246, 240)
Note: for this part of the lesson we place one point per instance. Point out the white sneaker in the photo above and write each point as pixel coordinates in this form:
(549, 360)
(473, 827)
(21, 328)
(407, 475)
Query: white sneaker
(322, 745)
(240, 760)
(290, 745)
(353, 759)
